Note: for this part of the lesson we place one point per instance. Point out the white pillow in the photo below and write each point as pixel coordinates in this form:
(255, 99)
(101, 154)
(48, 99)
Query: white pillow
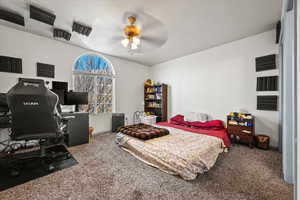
(196, 116)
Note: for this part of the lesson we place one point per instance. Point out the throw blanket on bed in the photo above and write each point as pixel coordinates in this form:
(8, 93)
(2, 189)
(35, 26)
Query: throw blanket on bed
(222, 133)
(179, 153)
(143, 131)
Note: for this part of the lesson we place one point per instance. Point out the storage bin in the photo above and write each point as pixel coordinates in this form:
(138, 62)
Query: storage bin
(262, 141)
(151, 119)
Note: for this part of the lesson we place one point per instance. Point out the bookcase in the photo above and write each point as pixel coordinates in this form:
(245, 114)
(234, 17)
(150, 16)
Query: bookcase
(244, 129)
(156, 101)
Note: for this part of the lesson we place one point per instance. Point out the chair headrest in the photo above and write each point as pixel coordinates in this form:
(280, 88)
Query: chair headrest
(3, 100)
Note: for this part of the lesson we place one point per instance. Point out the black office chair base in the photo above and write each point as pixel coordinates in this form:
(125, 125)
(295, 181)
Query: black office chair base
(46, 164)
(48, 167)
(47, 156)
(14, 172)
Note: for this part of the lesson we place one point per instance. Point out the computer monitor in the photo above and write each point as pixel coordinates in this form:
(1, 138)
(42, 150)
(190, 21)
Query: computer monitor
(77, 98)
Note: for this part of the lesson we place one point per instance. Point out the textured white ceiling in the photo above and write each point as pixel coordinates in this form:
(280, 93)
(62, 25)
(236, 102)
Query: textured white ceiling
(192, 25)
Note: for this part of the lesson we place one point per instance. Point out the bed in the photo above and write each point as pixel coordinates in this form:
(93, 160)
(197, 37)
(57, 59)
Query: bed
(184, 151)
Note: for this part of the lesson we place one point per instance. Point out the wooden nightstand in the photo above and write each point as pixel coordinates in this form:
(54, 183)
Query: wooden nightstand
(245, 133)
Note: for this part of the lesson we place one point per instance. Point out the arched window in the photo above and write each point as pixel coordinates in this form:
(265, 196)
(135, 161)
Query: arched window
(94, 74)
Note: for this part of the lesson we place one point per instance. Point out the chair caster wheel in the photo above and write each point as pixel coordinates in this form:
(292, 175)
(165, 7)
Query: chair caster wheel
(50, 168)
(15, 172)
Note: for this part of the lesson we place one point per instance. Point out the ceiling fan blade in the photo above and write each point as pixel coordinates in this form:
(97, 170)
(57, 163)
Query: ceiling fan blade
(104, 35)
(147, 45)
(115, 39)
(149, 22)
(152, 40)
(152, 27)
(159, 40)
(154, 33)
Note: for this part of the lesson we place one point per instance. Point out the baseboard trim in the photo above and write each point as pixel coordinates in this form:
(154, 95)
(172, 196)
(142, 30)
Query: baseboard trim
(101, 133)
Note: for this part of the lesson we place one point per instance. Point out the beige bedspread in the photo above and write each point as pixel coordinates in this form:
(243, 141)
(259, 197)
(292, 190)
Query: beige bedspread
(179, 153)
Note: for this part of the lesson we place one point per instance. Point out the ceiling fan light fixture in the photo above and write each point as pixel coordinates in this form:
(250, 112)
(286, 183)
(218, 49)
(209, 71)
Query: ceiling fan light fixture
(131, 33)
(134, 46)
(125, 42)
(136, 40)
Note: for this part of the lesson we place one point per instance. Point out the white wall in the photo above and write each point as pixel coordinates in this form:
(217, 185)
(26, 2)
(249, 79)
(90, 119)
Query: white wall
(221, 80)
(297, 185)
(32, 49)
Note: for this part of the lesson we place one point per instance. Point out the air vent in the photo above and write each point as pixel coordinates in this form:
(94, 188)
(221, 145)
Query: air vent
(59, 33)
(45, 70)
(267, 102)
(81, 29)
(41, 15)
(12, 65)
(12, 17)
(268, 83)
(265, 63)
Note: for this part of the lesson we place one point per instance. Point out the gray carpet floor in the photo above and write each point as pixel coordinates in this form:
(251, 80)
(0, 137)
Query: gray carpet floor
(107, 172)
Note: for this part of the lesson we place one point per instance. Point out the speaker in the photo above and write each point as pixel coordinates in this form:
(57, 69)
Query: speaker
(42, 15)
(12, 17)
(278, 31)
(268, 83)
(81, 29)
(11, 65)
(118, 119)
(45, 70)
(265, 63)
(60, 33)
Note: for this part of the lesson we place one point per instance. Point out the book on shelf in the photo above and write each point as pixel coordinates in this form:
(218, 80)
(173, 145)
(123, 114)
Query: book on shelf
(155, 100)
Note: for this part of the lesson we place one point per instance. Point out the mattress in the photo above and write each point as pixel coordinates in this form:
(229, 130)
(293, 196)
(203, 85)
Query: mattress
(220, 133)
(180, 153)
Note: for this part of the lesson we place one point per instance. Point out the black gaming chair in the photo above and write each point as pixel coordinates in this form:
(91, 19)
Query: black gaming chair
(32, 108)
(4, 119)
(34, 116)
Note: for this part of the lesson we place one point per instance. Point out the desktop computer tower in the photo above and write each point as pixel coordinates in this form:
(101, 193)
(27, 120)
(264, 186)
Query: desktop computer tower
(118, 119)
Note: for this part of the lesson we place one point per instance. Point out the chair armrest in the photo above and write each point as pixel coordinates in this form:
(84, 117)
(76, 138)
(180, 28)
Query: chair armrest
(67, 118)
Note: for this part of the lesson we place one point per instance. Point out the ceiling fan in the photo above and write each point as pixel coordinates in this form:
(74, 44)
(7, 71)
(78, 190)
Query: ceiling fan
(132, 32)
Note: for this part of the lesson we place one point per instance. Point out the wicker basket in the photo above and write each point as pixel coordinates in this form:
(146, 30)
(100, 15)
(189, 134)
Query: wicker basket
(262, 141)
(91, 130)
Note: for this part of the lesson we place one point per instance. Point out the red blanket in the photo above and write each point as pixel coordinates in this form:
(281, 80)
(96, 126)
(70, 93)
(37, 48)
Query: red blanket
(222, 133)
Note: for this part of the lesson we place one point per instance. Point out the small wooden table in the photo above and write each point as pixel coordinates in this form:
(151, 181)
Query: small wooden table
(246, 134)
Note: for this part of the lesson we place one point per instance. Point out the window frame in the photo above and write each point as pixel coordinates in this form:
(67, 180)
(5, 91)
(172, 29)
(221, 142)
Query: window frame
(112, 76)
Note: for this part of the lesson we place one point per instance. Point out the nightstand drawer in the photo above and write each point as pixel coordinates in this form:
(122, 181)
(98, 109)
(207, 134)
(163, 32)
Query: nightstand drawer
(237, 129)
(232, 129)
